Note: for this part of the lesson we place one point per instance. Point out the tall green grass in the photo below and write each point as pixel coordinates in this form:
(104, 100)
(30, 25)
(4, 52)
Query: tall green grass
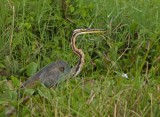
(36, 33)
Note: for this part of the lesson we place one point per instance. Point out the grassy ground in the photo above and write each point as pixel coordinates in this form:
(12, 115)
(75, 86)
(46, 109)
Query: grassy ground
(35, 33)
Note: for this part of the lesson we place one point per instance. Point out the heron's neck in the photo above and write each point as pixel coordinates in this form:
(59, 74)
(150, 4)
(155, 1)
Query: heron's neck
(77, 69)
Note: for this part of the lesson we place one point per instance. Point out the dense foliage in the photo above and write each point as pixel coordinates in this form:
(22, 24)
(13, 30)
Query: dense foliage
(121, 76)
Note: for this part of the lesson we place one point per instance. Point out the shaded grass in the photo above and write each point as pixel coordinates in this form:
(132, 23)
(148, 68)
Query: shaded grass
(103, 97)
(37, 32)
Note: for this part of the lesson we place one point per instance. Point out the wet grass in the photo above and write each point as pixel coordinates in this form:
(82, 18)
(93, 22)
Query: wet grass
(121, 76)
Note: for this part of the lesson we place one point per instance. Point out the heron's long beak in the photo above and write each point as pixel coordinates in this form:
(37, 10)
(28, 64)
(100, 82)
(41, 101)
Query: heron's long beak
(87, 31)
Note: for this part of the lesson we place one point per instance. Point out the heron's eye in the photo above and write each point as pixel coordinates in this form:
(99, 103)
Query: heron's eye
(61, 69)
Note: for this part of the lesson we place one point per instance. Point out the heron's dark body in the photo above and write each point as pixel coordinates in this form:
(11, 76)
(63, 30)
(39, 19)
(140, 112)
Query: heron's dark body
(50, 75)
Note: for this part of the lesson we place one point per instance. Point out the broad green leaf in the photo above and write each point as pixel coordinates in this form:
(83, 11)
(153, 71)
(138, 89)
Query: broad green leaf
(15, 81)
(44, 92)
(31, 69)
(29, 91)
(1, 65)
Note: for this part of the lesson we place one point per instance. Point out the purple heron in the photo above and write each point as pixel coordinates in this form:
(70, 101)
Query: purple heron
(53, 73)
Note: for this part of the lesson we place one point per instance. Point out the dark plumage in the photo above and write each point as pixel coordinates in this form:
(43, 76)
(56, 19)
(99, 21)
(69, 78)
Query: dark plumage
(50, 75)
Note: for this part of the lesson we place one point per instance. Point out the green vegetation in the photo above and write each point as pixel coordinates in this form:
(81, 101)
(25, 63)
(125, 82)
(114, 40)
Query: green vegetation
(36, 33)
